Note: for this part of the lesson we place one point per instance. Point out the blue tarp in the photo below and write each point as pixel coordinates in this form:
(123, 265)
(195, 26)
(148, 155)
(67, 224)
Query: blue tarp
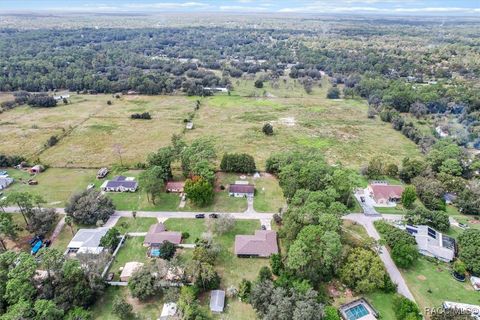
(37, 246)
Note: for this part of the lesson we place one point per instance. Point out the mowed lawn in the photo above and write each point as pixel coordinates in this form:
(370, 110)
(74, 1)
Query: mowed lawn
(431, 283)
(55, 185)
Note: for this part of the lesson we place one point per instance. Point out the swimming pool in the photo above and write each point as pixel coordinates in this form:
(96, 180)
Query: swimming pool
(155, 253)
(356, 312)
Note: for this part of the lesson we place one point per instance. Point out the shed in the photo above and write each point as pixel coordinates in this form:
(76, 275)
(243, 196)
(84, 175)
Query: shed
(129, 269)
(36, 169)
(169, 310)
(217, 300)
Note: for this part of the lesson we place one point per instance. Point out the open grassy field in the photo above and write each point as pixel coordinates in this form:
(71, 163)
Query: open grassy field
(431, 283)
(96, 134)
(54, 185)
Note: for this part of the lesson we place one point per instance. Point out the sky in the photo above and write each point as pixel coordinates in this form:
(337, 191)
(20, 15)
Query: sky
(391, 7)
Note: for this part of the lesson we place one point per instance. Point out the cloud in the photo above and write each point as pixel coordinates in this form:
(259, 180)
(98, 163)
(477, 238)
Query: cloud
(167, 5)
(242, 8)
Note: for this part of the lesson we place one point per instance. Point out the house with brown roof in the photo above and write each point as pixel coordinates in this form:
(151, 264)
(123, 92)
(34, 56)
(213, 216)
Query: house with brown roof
(157, 234)
(262, 244)
(175, 186)
(241, 190)
(383, 193)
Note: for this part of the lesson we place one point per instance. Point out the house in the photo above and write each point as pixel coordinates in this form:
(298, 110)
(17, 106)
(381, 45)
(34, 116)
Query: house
(462, 308)
(262, 244)
(87, 241)
(120, 184)
(217, 300)
(102, 173)
(129, 269)
(5, 181)
(359, 309)
(175, 186)
(241, 190)
(384, 194)
(36, 169)
(157, 234)
(432, 243)
(169, 310)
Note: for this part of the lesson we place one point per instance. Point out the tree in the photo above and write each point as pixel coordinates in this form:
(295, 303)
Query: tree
(143, 284)
(238, 163)
(276, 263)
(333, 93)
(431, 192)
(469, 249)
(199, 191)
(69, 223)
(363, 271)
(111, 239)
(411, 168)
(375, 168)
(122, 308)
(19, 311)
(47, 310)
(267, 129)
(19, 286)
(78, 313)
(244, 290)
(406, 309)
(204, 275)
(200, 150)
(435, 219)
(331, 313)
(89, 206)
(152, 182)
(258, 84)
(468, 200)
(315, 252)
(409, 196)
(264, 274)
(223, 224)
(167, 250)
(405, 255)
(8, 229)
(25, 202)
(42, 220)
(162, 159)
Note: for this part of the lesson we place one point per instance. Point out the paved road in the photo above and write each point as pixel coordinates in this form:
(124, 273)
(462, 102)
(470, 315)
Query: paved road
(395, 275)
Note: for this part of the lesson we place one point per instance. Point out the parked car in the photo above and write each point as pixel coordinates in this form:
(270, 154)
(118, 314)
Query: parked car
(264, 227)
(47, 243)
(36, 247)
(362, 199)
(213, 215)
(199, 216)
(463, 225)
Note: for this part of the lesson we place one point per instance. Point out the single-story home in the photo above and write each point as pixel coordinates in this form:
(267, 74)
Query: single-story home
(432, 243)
(217, 300)
(169, 310)
(129, 269)
(262, 244)
(241, 189)
(157, 234)
(36, 169)
(87, 241)
(383, 193)
(175, 186)
(120, 184)
(5, 181)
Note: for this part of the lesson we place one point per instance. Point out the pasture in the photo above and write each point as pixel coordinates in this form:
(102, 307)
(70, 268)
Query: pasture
(93, 133)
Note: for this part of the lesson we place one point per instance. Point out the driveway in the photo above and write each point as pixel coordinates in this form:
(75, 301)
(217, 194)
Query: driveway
(395, 275)
(367, 205)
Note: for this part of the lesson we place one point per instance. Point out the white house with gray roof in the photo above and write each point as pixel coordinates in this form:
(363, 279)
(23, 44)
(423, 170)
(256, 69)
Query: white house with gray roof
(87, 241)
(432, 243)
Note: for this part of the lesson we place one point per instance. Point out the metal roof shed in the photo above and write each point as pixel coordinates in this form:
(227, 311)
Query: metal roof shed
(217, 300)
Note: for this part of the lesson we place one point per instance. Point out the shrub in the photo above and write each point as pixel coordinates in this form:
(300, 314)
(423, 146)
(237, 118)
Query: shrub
(144, 116)
(238, 163)
(267, 129)
(333, 93)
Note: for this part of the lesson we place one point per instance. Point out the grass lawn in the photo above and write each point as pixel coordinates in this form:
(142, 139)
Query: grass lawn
(125, 225)
(194, 227)
(391, 210)
(102, 310)
(132, 250)
(383, 303)
(55, 185)
(431, 283)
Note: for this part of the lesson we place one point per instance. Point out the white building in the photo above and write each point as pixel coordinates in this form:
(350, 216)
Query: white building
(169, 311)
(87, 241)
(432, 243)
(5, 181)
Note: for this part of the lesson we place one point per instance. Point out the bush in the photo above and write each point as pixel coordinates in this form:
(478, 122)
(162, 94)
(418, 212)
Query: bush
(167, 250)
(259, 84)
(53, 140)
(406, 309)
(144, 116)
(41, 100)
(333, 93)
(185, 235)
(267, 129)
(403, 245)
